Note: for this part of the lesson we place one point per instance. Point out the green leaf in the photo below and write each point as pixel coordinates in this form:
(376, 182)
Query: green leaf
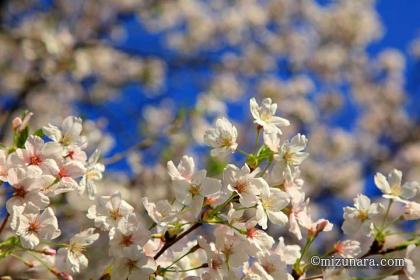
(252, 161)
(39, 133)
(20, 137)
(264, 153)
(11, 241)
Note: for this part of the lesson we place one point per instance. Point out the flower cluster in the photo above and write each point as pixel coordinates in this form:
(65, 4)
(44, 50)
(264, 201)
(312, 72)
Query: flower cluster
(232, 215)
(38, 168)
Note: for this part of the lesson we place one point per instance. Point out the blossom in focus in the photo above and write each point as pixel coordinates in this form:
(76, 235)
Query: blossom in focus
(27, 189)
(109, 210)
(32, 226)
(128, 233)
(222, 138)
(264, 116)
(68, 134)
(191, 186)
(270, 206)
(392, 189)
(71, 258)
(358, 219)
(245, 183)
(36, 154)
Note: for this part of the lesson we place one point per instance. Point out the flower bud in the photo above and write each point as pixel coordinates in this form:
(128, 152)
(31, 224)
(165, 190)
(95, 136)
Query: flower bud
(16, 123)
(49, 252)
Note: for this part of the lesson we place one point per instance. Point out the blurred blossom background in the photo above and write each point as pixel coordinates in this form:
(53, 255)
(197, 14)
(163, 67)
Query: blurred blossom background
(150, 76)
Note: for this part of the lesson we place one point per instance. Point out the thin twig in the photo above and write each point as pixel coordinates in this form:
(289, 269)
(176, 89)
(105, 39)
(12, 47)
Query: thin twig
(119, 156)
(179, 237)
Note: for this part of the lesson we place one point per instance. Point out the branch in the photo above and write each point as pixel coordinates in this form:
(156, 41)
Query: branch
(179, 237)
(143, 145)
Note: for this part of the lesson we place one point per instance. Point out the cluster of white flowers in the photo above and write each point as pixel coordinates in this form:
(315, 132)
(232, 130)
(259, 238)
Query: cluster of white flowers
(229, 215)
(38, 168)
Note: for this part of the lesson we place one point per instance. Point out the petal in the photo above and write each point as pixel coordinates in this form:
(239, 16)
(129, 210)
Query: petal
(382, 183)
(210, 186)
(277, 218)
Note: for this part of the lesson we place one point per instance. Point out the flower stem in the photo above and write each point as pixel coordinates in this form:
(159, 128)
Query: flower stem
(204, 265)
(192, 250)
(386, 215)
(179, 237)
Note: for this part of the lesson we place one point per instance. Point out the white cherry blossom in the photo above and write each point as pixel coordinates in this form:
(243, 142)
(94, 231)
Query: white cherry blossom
(245, 183)
(128, 233)
(71, 258)
(191, 186)
(411, 211)
(68, 134)
(270, 206)
(36, 153)
(32, 226)
(27, 189)
(270, 266)
(66, 174)
(292, 153)
(222, 138)
(288, 253)
(264, 115)
(134, 265)
(392, 189)
(357, 219)
(109, 210)
(93, 173)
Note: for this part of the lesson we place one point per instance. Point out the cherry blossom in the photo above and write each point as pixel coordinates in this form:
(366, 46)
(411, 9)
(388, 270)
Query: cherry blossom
(71, 258)
(109, 210)
(222, 138)
(264, 116)
(31, 226)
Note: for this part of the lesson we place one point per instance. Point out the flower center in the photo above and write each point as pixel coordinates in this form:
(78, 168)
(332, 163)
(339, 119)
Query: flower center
(70, 154)
(35, 160)
(76, 248)
(126, 240)
(33, 226)
(363, 215)
(240, 186)
(227, 250)
(115, 214)
(62, 173)
(288, 157)
(20, 191)
(131, 264)
(194, 189)
(226, 142)
(251, 232)
(267, 204)
(395, 190)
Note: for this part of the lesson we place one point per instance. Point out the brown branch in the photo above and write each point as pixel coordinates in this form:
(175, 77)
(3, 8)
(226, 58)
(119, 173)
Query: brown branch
(179, 237)
(143, 145)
